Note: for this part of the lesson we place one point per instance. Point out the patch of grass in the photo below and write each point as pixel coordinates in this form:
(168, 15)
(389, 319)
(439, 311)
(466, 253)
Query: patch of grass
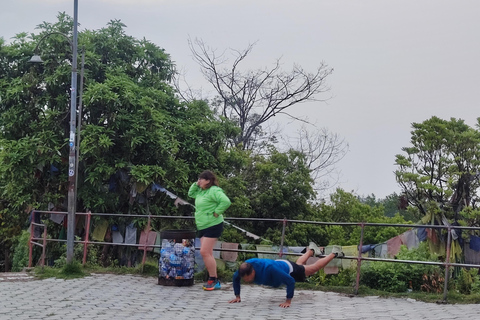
(150, 269)
(72, 270)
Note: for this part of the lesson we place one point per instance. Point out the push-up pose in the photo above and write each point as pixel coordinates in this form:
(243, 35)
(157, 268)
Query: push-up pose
(275, 273)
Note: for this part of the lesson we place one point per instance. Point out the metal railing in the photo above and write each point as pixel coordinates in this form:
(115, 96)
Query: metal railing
(359, 258)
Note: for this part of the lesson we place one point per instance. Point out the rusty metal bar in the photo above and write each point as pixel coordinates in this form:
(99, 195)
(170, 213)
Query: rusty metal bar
(447, 264)
(284, 225)
(85, 241)
(44, 246)
(30, 244)
(359, 258)
(145, 244)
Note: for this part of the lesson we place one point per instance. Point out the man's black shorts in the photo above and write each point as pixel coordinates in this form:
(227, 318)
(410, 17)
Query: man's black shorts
(298, 271)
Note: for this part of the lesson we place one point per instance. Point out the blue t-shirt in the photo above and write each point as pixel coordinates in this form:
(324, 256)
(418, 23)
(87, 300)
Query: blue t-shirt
(270, 273)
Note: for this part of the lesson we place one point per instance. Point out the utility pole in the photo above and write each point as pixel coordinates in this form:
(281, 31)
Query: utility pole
(72, 206)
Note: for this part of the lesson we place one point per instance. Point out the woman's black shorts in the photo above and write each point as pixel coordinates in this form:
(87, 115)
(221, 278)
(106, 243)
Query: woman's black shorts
(211, 232)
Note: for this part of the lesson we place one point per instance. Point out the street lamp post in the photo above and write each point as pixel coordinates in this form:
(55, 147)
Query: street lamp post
(72, 163)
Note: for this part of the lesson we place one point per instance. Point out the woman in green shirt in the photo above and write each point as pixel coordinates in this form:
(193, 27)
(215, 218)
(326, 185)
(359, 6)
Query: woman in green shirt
(210, 204)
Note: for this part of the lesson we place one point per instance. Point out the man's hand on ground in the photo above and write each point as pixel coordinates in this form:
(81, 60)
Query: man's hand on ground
(237, 299)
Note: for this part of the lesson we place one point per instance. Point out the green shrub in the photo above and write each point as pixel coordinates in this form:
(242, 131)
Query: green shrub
(92, 255)
(72, 270)
(20, 254)
(398, 277)
(344, 278)
(468, 281)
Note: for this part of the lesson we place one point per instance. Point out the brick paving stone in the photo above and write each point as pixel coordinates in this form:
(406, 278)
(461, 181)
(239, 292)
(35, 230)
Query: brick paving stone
(106, 297)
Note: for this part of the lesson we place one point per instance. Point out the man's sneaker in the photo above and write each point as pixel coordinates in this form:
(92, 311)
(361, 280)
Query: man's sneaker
(337, 250)
(212, 285)
(315, 248)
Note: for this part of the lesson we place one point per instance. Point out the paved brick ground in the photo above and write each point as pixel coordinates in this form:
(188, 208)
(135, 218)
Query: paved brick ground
(106, 296)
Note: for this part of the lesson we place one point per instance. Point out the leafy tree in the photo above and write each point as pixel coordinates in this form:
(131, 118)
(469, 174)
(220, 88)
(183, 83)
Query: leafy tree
(439, 173)
(392, 204)
(273, 186)
(346, 207)
(134, 130)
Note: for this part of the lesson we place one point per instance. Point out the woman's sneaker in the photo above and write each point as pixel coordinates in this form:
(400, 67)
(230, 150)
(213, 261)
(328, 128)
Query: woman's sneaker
(212, 285)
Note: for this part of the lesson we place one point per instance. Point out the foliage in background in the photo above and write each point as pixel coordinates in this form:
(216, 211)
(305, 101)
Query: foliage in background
(398, 277)
(439, 172)
(135, 133)
(21, 251)
(468, 281)
(344, 278)
(346, 207)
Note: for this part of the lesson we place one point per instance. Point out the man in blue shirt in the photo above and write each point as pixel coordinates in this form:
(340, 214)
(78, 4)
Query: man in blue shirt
(275, 273)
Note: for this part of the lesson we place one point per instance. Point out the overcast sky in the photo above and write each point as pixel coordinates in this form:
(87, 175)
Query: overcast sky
(395, 62)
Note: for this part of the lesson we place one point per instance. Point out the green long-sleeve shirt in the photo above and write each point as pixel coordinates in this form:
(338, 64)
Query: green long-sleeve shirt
(207, 202)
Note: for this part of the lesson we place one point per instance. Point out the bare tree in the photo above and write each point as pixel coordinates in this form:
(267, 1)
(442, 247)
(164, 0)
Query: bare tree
(253, 97)
(323, 150)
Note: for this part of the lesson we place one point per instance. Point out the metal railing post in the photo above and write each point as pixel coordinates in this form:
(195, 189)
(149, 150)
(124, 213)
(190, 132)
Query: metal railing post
(30, 244)
(447, 264)
(85, 242)
(359, 258)
(280, 254)
(145, 244)
(44, 248)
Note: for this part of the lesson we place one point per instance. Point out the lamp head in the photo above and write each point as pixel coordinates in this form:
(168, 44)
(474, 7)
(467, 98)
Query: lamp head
(36, 59)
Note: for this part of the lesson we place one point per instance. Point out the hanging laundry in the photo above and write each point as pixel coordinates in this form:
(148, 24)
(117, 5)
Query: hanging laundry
(368, 247)
(335, 262)
(171, 195)
(330, 270)
(117, 237)
(351, 251)
(381, 250)
(180, 201)
(410, 239)
(199, 264)
(248, 234)
(148, 238)
(393, 246)
(422, 234)
(471, 256)
(228, 255)
(100, 230)
(455, 251)
(158, 242)
(133, 194)
(435, 244)
(157, 187)
(474, 243)
(112, 184)
(216, 253)
(268, 248)
(130, 234)
(140, 187)
(57, 217)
